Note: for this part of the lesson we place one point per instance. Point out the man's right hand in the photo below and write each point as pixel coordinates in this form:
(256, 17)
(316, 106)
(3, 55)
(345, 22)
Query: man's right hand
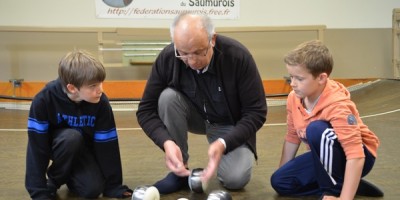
(174, 160)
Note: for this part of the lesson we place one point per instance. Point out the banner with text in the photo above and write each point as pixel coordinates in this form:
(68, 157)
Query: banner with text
(166, 9)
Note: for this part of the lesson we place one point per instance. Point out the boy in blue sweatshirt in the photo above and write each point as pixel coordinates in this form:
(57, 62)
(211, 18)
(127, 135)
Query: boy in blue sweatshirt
(71, 126)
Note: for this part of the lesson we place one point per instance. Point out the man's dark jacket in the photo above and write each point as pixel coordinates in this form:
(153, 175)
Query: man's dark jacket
(241, 84)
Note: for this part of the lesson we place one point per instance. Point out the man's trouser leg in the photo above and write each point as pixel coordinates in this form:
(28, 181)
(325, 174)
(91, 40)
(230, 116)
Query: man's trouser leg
(180, 116)
(235, 168)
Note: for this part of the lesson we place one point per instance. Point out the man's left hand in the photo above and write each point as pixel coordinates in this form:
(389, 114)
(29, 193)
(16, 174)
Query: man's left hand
(215, 152)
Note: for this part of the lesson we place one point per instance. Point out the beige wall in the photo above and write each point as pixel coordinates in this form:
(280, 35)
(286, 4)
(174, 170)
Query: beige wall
(358, 33)
(33, 54)
(333, 14)
(363, 53)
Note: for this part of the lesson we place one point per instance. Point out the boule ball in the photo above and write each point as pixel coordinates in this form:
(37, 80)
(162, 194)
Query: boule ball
(219, 195)
(195, 183)
(146, 192)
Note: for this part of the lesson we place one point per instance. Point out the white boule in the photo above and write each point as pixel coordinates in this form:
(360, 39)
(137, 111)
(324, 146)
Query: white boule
(151, 194)
(146, 192)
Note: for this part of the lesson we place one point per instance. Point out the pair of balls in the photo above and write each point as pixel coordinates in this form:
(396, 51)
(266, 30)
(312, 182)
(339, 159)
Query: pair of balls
(148, 192)
(196, 185)
(216, 195)
(219, 195)
(151, 193)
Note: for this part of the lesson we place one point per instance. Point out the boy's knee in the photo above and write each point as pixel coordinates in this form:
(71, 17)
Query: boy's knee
(69, 139)
(316, 128)
(274, 180)
(73, 135)
(89, 191)
(73, 139)
(276, 183)
(280, 186)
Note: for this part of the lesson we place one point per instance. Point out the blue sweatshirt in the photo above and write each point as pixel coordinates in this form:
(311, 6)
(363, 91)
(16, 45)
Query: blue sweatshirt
(51, 109)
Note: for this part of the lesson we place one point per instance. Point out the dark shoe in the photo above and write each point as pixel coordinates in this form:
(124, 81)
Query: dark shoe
(368, 189)
(171, 183)
(52, 188)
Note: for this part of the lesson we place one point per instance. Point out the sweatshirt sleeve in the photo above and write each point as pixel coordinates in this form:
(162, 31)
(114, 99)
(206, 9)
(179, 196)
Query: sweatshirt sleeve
(291, 135)
(107, 152)
(38, 150)
(346, 122)
(252, 106)
(147, 114)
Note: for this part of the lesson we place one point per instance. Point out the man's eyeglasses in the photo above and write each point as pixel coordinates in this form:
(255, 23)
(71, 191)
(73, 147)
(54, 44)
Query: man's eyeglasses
(197, 54)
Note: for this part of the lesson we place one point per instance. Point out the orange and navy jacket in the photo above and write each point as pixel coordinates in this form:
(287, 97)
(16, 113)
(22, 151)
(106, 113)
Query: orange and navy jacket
(336, 107)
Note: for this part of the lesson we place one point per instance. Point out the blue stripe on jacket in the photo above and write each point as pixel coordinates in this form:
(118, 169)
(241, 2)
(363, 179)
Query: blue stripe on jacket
(105, 136)
(38, 126)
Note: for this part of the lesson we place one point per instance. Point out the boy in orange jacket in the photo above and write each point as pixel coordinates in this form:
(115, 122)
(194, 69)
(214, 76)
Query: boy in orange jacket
(321, 114)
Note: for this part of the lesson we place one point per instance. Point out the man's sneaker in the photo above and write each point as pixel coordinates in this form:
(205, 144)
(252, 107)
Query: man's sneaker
(368, 189)
(171, 183)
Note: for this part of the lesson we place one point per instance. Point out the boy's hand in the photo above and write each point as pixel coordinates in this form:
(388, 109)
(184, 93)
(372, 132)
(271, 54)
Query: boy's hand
(330, 198)
(127, 194)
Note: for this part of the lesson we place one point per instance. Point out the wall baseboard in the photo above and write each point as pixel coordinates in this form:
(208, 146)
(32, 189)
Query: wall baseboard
(134, 89)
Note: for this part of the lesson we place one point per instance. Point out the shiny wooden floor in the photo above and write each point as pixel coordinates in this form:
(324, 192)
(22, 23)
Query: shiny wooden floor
(143, 162)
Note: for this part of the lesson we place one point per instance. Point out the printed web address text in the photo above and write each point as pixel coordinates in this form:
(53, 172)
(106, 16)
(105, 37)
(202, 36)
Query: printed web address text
(160, 11)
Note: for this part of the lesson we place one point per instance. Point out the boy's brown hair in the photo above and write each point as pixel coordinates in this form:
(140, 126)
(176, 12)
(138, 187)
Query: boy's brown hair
(80, 68)
(313, 55)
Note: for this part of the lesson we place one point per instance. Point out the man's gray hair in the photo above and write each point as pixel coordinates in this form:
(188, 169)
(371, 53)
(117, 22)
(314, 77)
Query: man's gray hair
(205, 21)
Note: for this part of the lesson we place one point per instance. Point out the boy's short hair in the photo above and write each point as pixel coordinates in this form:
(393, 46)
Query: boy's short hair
(80, 68)
(313, 55)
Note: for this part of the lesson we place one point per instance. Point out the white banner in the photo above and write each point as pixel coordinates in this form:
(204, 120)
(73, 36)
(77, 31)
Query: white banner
(166, 9)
